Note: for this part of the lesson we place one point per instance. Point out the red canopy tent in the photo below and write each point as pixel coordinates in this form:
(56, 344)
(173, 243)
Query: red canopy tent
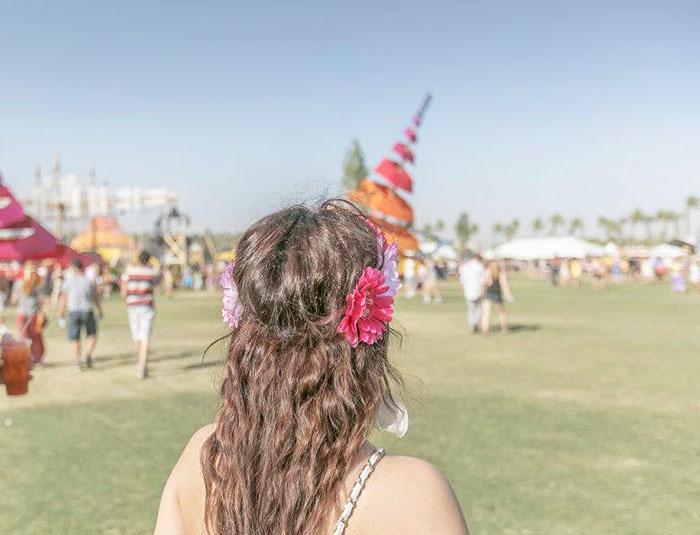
(64, 255)
(10, 210)
(395, 174)
(26, 240)
(382, 202)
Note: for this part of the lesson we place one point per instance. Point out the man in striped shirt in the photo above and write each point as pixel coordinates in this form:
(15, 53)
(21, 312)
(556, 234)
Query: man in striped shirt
(138, 283)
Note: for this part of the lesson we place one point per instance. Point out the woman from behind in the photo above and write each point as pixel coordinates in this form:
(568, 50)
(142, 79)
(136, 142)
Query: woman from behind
(496, 287)
(30, 316)
(307, 376)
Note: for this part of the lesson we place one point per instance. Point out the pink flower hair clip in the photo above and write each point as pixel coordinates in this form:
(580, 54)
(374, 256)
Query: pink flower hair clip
(370, 305)
(231, 309)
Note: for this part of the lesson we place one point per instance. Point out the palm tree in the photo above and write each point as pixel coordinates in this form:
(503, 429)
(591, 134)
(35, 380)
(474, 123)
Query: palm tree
(511, 229)
(691, 203)
(427, 232)
(555, 221)
(675, 219)
(617, 228)
(669, 217)
(465, 229)
(537, 226)
(649, 225)
(665, 217)
(610, 227)
(575, 226)
(635, 218)
(496, 230)
(621, 224)
(660, 217)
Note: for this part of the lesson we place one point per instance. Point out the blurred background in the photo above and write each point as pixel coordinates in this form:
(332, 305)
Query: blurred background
(552, 148)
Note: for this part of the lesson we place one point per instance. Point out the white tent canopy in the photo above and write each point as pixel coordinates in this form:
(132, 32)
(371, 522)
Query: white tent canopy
(611, 249)
(547, 247)
(666, 250)
(443, 251)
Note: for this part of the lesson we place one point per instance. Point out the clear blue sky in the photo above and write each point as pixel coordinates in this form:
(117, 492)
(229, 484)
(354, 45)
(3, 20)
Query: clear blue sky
(581, 107)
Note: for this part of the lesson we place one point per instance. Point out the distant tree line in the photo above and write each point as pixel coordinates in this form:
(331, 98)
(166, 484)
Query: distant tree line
(635, 227)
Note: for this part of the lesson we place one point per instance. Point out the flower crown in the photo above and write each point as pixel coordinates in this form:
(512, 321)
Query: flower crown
(369, 307)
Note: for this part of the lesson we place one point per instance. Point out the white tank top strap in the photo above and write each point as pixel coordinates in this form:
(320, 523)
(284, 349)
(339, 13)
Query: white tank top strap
(357, 490)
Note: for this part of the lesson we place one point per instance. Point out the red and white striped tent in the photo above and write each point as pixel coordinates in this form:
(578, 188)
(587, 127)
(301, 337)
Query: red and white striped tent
(10, 210)
(23, 238)
(379, 192)
(26, 240)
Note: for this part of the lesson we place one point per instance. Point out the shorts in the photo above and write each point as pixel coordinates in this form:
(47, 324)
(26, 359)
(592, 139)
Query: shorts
(140, 321)
(78, 320)
(495, 297)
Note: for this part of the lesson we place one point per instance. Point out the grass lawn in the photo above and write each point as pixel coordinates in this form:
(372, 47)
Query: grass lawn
(583, 420)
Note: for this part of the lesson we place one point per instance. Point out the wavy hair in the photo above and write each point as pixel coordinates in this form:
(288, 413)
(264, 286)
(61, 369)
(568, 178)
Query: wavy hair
(297, 400)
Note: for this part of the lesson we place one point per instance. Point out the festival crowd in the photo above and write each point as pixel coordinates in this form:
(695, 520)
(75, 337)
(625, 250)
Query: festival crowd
(74, 297)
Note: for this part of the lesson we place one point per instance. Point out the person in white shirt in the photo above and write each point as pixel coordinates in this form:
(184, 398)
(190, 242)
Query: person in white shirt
(694, 273)
(471, 277)
(409, 277)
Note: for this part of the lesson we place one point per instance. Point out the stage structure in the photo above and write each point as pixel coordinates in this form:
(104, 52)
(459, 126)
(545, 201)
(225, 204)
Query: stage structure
(171, 229)
(379, 194)
(59, 198)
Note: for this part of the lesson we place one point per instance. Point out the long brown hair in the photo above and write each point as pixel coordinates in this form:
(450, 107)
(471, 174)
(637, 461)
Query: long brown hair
(298, 401)
(494, 269)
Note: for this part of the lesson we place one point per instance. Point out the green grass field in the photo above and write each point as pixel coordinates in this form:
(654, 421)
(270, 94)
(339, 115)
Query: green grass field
(585, 419)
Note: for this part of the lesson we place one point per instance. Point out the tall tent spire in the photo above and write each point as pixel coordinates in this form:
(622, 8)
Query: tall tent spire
(379, 195)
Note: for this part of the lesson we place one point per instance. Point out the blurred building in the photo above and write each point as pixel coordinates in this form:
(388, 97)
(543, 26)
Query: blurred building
(59, 197)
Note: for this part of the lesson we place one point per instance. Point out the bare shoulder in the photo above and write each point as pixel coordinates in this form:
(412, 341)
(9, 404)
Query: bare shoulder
(194, 446)
(182, 502)
(188, 465)
(410, 496)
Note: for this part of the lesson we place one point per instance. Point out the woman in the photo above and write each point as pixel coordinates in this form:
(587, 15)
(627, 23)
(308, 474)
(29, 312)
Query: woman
(431, 291)
(307, 377)
(30, 318)
(495, 287)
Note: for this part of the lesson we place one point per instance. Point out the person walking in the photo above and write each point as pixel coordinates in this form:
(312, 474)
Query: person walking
(57, 277)
(30, 316)
(694, 273)
(168, 283)
(429, 278)
(138, 283)
(409, 277)
(79, 298)
(471, 278)
(496, 287)
(576, 272)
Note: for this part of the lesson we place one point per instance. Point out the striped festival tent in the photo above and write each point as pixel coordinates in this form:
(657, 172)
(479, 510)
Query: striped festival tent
(380, 193)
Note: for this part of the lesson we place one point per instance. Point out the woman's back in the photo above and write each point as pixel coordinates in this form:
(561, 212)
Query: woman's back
(403, 495)
(27, 300)
(307, 377)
